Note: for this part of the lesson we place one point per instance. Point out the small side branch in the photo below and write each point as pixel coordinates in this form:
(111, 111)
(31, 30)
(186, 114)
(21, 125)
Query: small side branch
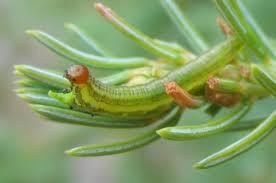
(182, 97)
(220, 98)
(224, 27)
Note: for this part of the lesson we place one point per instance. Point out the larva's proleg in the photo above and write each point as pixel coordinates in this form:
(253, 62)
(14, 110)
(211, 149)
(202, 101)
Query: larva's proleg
(149, 97)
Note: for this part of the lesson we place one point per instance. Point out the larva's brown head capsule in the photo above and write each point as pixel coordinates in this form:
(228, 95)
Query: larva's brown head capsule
(77, 74)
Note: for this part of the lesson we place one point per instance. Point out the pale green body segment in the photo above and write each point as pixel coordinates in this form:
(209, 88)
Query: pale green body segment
(149, 97)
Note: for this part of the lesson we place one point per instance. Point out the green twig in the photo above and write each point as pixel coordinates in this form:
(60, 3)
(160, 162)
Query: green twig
(245, 26)
(139, 37)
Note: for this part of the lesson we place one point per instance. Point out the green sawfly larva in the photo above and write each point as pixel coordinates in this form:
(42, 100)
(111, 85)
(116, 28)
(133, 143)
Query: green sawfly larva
(93, 95)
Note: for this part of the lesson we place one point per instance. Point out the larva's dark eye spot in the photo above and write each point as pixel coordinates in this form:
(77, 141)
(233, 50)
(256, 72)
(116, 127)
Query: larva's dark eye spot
(77, 74)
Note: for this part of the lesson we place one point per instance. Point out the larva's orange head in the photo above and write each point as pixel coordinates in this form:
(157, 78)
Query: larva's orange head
(77, 74)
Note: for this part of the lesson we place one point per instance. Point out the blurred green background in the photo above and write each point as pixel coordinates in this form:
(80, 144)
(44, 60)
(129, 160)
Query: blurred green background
(31, 149)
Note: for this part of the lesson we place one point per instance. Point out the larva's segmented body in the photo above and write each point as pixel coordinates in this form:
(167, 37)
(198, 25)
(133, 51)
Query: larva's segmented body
(146, 98)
